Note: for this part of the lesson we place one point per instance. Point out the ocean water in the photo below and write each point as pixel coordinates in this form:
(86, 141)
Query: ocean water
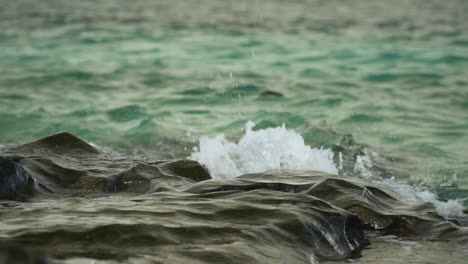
(154, 76)
(244, 86)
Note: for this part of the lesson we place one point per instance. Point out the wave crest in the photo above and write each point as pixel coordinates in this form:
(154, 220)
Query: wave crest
(261, 150)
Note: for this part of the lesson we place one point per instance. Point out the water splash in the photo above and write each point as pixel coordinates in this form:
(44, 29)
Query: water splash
(281, 148)
(261, 150)
(409, 194)
(415, 195)
(363, 165)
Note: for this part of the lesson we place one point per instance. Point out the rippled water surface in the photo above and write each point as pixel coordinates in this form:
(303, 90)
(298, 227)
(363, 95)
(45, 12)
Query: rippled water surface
(152, 77)
(155, 73)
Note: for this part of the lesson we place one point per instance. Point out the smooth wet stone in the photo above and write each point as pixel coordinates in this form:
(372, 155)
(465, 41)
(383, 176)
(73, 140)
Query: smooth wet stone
(64, 164)
(377, 208)
(189, 169)
(88, 203)
(62, 143)
(259, 226)
(271, 93)
(17, 254)
(14, 180)
(142, 178)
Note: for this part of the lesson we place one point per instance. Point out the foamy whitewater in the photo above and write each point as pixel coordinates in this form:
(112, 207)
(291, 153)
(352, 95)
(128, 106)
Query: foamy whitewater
(414, 195)
(281, 148)
(261, 150)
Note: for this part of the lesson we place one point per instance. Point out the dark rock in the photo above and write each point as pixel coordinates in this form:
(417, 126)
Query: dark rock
(116, 208)
(189, 169)
(17, 254)
(142, 178)
(270, 93)
(14, 180)
(377, 208)
(62, 143)
(259, 226)
(65, 164)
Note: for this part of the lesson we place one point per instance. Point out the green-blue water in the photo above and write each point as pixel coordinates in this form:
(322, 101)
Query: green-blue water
(154, 76)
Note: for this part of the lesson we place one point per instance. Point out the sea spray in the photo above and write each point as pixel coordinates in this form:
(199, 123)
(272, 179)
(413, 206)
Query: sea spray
(282, 148)
(261, 150)
(409, 194)
(415, 195)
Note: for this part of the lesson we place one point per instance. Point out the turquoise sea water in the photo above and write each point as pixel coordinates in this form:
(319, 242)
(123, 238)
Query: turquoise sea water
(153, 76)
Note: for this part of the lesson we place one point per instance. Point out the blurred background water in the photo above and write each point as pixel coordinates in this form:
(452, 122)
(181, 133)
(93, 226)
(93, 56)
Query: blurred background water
(153, 76)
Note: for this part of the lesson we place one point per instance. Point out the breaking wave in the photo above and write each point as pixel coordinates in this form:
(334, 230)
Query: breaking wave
(281, 148)
(261, 150)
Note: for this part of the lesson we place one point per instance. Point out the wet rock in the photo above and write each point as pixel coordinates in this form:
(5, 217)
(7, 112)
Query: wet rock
(377, 208)
(91, 205)
(142, 178)
(65, 164)
(62, 143)
(55, 176)
(271, 93)
(189, 169)
(17, 254)
(259, 226)
(15, 181)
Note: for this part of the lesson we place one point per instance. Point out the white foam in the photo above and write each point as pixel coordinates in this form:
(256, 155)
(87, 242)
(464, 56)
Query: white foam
(363, 165)
(281, 148)
(414, 195)
(410, 194)
(261, 150)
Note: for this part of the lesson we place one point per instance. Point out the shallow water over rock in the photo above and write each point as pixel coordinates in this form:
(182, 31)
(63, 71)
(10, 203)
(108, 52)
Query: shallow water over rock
(64, 201)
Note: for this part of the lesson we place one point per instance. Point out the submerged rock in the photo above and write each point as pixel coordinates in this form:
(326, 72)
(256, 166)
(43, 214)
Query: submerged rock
(271, 93)
(14, 180)
(17, 254)
(88, 204)
(64, 164)
(59, 144)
